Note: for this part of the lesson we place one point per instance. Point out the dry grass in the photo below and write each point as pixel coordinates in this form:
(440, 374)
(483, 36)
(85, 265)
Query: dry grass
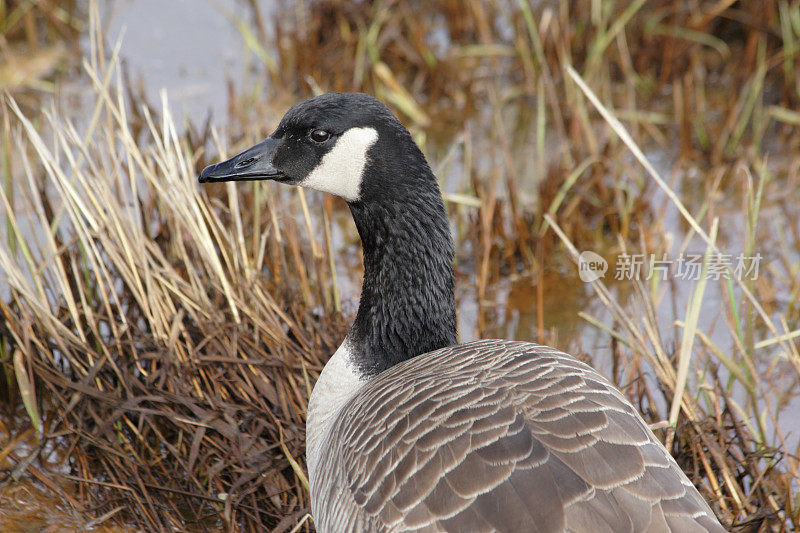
(132, 300)
(166, 338)
(37, 39)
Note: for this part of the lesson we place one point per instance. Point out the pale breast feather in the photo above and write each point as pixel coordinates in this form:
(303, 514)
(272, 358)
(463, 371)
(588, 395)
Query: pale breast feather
(542, 443)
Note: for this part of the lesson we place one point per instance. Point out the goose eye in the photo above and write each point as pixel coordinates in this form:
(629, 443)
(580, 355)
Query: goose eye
(320, 136)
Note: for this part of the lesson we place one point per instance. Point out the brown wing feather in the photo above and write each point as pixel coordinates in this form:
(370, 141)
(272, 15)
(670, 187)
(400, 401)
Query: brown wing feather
(500, 436)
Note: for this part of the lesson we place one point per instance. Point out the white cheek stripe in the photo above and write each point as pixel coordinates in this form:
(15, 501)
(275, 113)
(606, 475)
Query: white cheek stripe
(341, 170)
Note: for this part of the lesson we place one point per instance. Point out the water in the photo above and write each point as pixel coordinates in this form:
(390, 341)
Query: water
(188, 48)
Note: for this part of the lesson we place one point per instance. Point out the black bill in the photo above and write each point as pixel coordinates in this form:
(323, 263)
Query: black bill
(253, 164)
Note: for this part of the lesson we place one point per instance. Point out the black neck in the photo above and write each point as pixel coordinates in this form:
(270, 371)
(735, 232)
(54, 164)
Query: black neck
(407, 303)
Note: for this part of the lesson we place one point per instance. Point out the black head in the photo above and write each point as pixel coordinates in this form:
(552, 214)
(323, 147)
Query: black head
(329, 143)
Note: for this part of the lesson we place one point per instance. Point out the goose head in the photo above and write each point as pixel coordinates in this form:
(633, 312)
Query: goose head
(325, 143)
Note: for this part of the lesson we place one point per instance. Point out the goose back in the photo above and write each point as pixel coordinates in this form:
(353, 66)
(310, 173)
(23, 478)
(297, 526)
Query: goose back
(499, 436)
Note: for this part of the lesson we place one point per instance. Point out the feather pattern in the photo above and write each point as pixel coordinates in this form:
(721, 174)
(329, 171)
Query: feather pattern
(544, 443)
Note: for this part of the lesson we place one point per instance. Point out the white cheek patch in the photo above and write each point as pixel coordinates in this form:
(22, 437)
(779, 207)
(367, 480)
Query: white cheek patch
(341, 170)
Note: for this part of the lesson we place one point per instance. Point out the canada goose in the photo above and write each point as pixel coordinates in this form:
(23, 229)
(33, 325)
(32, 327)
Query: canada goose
(409, 431)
